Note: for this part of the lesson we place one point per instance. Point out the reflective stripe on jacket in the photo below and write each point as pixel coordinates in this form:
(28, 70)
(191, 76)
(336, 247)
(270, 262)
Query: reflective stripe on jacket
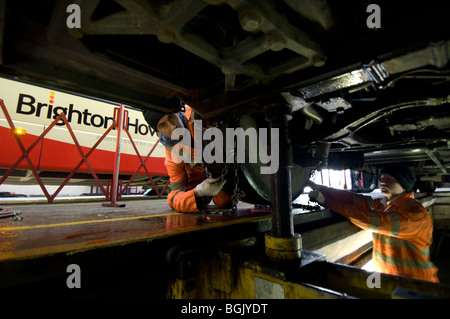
(402, 231)
(185, 175)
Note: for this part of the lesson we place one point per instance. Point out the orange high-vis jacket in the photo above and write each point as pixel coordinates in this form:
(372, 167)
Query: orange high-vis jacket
(185, 175)
(402, 231)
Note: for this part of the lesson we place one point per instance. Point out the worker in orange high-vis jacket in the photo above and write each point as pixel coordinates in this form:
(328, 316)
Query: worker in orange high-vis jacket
(190, 191)
(401, 227)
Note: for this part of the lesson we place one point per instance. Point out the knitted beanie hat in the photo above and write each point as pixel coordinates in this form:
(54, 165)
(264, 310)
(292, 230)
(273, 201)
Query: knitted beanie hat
(153, 117)
(404, 175)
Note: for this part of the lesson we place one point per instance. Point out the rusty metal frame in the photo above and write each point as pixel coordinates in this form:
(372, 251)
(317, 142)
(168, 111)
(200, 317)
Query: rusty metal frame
(267, 29)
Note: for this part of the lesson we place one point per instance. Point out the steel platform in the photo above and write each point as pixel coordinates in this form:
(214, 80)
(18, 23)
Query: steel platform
(48, 229)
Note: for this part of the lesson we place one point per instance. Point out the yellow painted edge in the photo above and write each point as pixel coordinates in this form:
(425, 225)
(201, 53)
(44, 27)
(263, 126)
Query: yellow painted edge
(81, 222)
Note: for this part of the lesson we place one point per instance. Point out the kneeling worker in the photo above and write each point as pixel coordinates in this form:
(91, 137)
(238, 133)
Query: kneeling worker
(190, 191)
(402, 228)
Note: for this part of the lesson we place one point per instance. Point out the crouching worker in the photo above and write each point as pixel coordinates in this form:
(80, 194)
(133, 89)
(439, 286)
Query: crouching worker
(401, 227)
(190, 191)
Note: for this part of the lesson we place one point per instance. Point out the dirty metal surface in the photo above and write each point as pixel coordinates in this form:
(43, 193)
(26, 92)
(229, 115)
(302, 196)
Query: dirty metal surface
(66, 228)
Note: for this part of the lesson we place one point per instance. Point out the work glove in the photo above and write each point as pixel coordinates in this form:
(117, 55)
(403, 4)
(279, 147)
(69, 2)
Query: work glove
(209, 187)
(317, 196)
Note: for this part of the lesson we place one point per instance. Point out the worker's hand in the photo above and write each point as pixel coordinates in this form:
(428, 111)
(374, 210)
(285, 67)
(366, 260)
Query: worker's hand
(311, 184)
(317, 196)
(209, 187)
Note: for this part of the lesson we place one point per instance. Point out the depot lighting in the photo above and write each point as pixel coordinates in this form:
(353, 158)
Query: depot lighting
(20, 131)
